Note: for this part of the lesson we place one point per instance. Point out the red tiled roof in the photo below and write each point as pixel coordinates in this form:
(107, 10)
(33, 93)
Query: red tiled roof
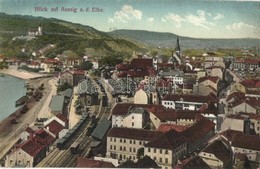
(214, 79)
(221, 149)
(191, 98)
(142, 63)
(136, 134)
(41, 136)
(242, 140)
(32, 148)
(78, 72)
(51, 61)
(122, 108)
(251, 83)
(252, 61)
(166, 115)
(170, 140)
(54, 127)
(200, 129)
(62, 117)
(252, 101)
(236, 95)
(168, 127)
(90, 163)
(133, 73)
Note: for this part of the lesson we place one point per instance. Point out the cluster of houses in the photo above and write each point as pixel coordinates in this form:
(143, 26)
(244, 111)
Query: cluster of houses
(36, 142)
(183, 115)
(184, 112)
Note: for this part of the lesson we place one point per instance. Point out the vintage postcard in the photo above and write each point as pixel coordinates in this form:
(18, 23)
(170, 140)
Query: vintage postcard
(130, 84)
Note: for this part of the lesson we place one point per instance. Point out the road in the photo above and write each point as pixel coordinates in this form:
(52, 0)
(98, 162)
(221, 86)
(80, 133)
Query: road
(12, 134)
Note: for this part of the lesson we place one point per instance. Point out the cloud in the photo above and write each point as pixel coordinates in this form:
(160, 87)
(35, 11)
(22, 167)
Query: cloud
(150, 20)
(199, 19)
(218, 16)
(239, 26)
(126, 13)
(174, 18)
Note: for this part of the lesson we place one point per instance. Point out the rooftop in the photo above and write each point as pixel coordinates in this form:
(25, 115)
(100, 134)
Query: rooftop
(54, 127)
(90, 163)
(32, 148)
(57, 103)
(191, 98)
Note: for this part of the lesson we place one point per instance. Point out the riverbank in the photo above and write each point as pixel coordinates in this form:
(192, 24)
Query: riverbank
(22, 74)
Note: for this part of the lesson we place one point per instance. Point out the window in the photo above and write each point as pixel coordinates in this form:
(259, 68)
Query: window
(124, 141)
(149, 150)
(114, 147)
(120, 140)
(111, 147)
(133, 124)
(160, 151)
(120, 148)
(133, 117)
(166, 151)
(134, 150)
(114, 139)
(160, 160)
(140, 142)
(166, 160)
(110, 139)
(124, 149)
(130, 141)
(130, 149)
(154, 150)
(134, 141)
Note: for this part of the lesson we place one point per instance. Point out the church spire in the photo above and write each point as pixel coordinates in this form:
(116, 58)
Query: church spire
(177, 47)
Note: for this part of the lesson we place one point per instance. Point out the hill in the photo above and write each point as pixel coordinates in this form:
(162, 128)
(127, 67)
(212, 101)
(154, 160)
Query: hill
(66, 36)
(169, 40)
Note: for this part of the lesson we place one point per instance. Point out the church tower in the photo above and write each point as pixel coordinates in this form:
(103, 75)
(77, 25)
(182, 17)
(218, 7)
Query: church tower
(40, 30)
(177, 47)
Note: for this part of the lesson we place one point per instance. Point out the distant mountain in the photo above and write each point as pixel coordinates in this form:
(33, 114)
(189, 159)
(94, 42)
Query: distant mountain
(169, 40)
(77, 38)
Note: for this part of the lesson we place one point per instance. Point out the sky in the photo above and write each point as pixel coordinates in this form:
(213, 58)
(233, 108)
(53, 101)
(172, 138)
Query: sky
(191, 18)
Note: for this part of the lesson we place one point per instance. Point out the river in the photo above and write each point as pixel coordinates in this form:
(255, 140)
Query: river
(11, 89)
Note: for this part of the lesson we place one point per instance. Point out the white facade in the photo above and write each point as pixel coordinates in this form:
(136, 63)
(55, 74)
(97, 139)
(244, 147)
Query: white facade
(117, 120)
(19, 157)
(133, 120)
(141, 97)
(123, 149)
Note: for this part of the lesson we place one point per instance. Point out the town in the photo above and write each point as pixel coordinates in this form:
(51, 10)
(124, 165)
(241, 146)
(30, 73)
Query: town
(147, 112)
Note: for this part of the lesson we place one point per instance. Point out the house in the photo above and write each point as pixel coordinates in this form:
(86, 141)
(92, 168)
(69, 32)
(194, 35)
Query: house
(239, 142)
(247, 105)
(167, 149)
(55, 128)
(210, 60)
(91, 163)
(29, 154)
(72, 77)
(176, 77)
(218, 153)
(198, 134)
(49, 65)
(215, 71)
(57, 104)
(209, 81)
(187, 102)
(146, 94)
(129, 115)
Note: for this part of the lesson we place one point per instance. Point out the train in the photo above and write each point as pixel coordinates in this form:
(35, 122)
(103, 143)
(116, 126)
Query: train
(64, 140)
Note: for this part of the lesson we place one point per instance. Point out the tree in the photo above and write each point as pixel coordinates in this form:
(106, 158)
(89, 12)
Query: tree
(86, 65)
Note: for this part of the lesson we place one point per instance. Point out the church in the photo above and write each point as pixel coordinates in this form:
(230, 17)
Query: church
(35, 32)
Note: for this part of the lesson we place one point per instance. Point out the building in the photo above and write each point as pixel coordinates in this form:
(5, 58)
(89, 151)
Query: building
(57, 104)
(28, 154)
(188, 102)
(72, 77)
(91, 163)
(218, 154)
(167, 149)
(123, 143)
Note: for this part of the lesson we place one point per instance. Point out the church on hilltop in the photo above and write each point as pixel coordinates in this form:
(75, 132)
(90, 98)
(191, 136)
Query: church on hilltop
(35, 32)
